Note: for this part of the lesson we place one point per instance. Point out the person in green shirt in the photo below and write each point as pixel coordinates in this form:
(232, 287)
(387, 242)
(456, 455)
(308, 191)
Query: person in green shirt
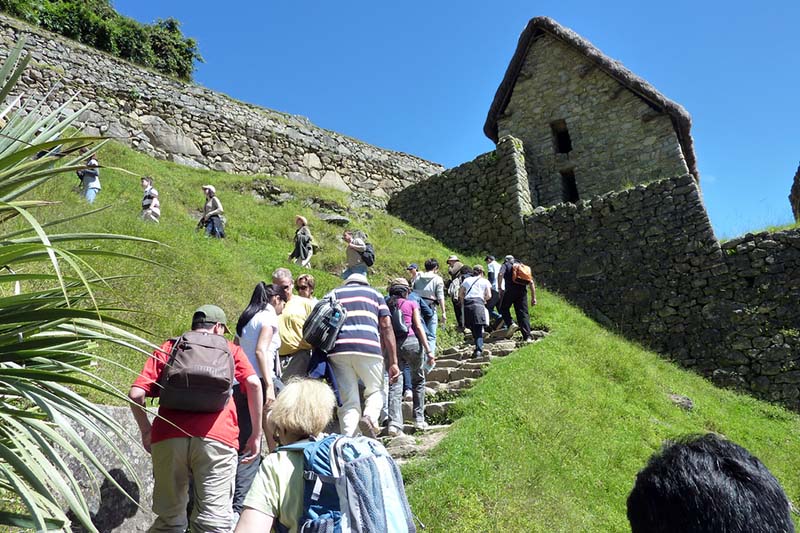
(302, 410)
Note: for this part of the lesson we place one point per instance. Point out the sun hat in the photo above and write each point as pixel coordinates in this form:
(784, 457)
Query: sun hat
(210, 188)
(355, 277)
(302, 219)
(509, 257)
(452, 258)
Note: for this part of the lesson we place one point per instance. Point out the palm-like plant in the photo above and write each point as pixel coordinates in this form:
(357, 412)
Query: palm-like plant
(48, 328)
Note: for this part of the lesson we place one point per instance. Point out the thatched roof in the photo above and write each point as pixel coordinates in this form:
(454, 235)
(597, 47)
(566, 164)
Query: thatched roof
(681, 120)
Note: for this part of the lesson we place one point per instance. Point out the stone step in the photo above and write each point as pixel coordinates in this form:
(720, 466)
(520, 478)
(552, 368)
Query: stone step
(444, 375)
(457, 385)
(431, 409)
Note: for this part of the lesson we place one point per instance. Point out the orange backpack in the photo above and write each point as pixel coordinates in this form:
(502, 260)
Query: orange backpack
(521, 274)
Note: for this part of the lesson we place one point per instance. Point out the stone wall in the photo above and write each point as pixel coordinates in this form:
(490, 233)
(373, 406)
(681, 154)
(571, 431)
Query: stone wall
(194, 126)
(617, 139)
(645, 261)
(476, 206)
(794, 195)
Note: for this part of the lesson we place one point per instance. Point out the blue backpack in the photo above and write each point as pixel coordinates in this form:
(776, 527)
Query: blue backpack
(352, 484)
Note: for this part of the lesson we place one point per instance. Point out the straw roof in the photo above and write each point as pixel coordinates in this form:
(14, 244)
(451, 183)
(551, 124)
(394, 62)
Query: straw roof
(681, 120)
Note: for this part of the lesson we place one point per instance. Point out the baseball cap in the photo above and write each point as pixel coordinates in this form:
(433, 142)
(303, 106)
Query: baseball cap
(509, 257)
(210, 188)
(211, 313)
(399, 282)
(412, 265)
(489, 258)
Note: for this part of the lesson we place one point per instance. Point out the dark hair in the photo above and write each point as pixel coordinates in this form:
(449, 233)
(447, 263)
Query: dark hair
(465, 271)
(397, 292)
(706, 484)
(258, 302)
(431, 263)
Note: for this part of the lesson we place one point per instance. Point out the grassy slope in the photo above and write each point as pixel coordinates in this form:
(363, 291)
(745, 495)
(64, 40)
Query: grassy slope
(552, 438)
(196, 270)
(549, 440)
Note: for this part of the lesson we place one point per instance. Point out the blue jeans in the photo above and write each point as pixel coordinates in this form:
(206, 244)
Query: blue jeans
(410, 352)
(214, 227)
(90, 194)
(358, 269)
(430, 330)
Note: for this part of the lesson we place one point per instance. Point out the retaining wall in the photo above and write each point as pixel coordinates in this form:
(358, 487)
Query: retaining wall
(646, 261)
(476, 206)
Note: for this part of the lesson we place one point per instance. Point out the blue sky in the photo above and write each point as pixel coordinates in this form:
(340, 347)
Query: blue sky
(418, 77)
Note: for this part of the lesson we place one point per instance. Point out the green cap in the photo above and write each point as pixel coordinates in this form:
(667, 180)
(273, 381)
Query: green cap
(211, 313)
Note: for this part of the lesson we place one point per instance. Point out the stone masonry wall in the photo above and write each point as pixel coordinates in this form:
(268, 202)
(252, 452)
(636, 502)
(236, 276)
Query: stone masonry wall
(646, 261)
(618, 139)
(476, 206)
(194, 126)
(794, 195)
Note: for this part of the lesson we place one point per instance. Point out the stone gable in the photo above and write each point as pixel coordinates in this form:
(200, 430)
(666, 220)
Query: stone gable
(579, 124)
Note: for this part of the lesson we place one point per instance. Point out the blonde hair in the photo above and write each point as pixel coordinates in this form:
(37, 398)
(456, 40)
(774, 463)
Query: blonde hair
(304, 407)
(309, 279)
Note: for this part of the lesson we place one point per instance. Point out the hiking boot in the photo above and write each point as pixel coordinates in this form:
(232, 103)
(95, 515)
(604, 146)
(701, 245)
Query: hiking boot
(368, 427)
(395, 432)
(511, 330)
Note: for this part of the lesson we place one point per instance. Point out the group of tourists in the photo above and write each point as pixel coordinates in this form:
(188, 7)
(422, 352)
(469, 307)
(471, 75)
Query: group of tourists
(209, 448)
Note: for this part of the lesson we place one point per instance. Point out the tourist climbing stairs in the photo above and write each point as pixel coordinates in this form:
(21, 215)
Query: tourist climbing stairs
(455, 372)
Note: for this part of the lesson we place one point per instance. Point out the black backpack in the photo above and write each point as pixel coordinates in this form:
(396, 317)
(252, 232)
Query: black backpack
(199, 374)
(322, 326)
(368, 255)
(398, 324)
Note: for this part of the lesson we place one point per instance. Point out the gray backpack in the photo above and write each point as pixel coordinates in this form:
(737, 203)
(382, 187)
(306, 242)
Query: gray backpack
(199, 373)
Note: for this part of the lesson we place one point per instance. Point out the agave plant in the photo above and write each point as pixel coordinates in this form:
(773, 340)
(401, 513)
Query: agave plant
(50, 319)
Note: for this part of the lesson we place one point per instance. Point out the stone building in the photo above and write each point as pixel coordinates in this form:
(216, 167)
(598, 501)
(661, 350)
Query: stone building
(588, 124)
(794, 195)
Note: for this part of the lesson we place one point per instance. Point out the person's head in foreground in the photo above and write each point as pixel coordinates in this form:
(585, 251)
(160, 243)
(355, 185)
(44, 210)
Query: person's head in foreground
(303, 409)
(707, 484)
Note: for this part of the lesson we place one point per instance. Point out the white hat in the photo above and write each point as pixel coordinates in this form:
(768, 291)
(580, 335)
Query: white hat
(210, 188)
(452, 258)
(355, 277)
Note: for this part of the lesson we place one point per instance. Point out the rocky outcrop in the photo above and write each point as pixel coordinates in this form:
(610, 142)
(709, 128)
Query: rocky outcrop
(197, 127)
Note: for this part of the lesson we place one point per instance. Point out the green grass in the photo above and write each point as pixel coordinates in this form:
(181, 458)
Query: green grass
(552, 438)
(194, 270)
(549, 440)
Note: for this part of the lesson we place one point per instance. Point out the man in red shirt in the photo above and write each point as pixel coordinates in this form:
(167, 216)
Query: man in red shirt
(199, 446)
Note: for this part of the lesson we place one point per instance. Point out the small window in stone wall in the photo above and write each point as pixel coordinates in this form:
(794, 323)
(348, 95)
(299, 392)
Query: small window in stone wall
(561, 138)
(569, 187)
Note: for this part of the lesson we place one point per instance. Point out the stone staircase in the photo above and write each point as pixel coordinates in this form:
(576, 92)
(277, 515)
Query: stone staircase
(455, 372)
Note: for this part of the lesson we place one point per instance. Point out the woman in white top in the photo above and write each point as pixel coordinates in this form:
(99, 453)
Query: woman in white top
(474, 293)
(257, 334)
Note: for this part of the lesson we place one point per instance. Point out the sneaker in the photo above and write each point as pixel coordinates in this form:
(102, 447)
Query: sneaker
(476, 354)
(529, 340)
(395, 432)
(368, 428)
(420, 425)
(511, 330)
(408, 396)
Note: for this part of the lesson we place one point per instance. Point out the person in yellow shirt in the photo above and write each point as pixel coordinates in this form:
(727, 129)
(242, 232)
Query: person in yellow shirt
(294, 352)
